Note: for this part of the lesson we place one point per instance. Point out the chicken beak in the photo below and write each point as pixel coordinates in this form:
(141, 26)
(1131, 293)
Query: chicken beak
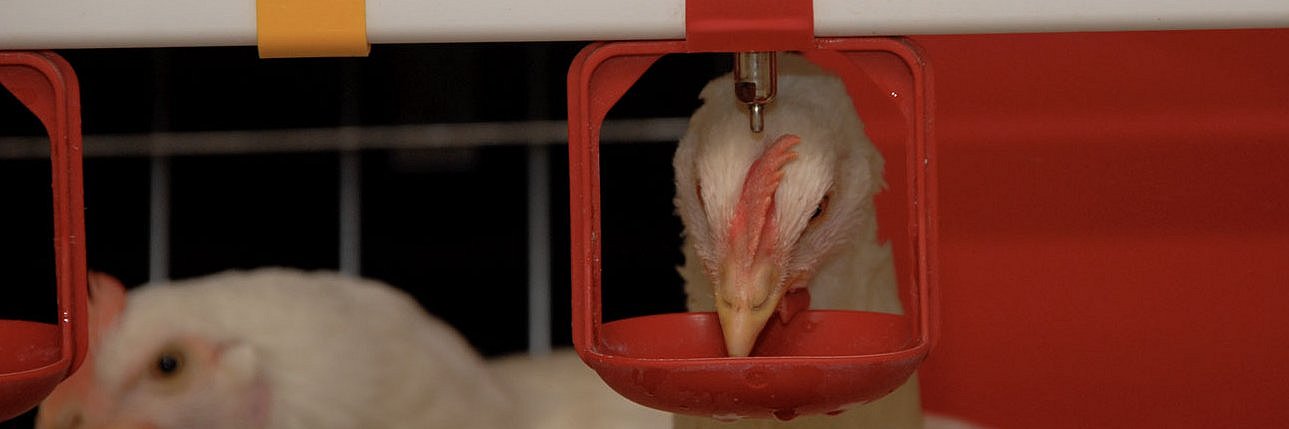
(745, 300)
(748, 284)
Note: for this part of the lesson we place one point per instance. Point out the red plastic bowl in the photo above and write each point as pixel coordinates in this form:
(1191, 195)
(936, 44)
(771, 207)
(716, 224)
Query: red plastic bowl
(820, 362)
(29, 362)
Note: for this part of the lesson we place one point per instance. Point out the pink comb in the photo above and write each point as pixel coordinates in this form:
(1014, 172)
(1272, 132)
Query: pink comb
(754, 212)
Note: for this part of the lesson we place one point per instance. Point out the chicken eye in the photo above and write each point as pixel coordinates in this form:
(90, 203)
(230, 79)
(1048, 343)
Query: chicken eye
(169, 363)
(819, 209)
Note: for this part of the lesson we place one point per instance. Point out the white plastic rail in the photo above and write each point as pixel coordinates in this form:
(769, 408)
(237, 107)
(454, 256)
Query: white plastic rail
(60, 24)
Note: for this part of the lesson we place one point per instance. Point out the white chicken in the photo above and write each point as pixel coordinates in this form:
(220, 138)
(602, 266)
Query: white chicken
(278, 348)
(772, 213)
(559, 391)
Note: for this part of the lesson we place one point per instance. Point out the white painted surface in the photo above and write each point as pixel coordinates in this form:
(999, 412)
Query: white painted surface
(58, 24)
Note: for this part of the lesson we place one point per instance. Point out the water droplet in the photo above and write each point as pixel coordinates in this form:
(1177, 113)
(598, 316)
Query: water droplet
(895, 94)
(786, 414)
(727, 418)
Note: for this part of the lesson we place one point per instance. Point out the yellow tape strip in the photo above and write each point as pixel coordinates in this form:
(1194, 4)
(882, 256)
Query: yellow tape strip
(312, 28)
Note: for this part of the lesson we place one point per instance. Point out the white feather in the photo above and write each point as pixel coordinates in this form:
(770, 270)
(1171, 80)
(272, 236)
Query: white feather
(835, 157)
(561, 392)
(328, 352)
(331, 352)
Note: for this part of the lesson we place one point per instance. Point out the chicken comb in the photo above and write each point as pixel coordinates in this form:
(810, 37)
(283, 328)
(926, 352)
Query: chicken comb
(753, 212)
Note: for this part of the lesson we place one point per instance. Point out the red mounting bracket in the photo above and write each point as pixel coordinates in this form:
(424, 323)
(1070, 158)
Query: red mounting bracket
(749, 25)
(37, 356)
